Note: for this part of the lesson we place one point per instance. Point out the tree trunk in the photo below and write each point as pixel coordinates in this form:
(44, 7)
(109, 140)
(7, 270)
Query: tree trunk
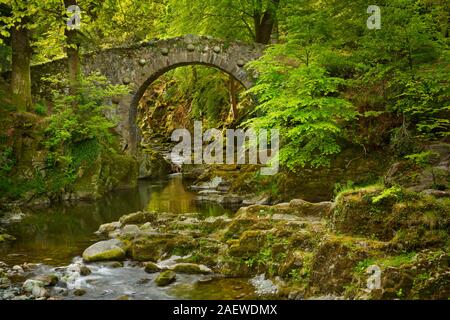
(73, 54)
(21, 75)
(264, 24)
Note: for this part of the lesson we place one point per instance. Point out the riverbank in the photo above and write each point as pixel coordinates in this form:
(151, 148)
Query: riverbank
(179, 241)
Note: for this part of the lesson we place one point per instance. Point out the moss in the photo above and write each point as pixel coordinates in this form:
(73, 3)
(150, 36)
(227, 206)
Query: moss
(106, 173)
(334, 262)
(6, 238)
(189, 268)
(397, 261)
(108, 255)
(165, 278)
(153, 165)
(150, 267)
(240, 225)
(138, 218)
(391, 213)
(248, 244)
(152, 248)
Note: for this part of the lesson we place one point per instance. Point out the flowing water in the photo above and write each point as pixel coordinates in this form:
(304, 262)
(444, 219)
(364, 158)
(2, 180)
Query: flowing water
(56, 236)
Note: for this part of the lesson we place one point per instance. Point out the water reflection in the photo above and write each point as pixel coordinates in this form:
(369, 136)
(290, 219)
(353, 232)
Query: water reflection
(55, 235)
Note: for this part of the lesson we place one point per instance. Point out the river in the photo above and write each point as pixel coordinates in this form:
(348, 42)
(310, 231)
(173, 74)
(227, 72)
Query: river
(56, 236)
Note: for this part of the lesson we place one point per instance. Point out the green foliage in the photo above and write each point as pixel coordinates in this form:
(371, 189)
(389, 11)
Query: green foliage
(338, 187)
(16, 188)
(407, 60)
(362, 266)
(7, 160)
(422, 159)
(403, 142)
(303, 102)
(40, 109)
(81, 117)
(207, 90)
(222, 19)
(78, 130)
(393, 192)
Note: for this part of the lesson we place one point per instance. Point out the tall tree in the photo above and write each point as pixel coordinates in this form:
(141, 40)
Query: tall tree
(248, 19)
(16, 23)
(21, 59)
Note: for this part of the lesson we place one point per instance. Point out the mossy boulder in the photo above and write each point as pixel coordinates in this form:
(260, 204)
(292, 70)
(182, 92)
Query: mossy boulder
(105, 251)
(138, 218)
(248, 244)
(191, 268)
(304, 208)
(151, 267)
(106, 228)
(411, 275)
(155, 246)
(242, 223)
(432, 172)
(413, 220)
(165, 278)
(334, 262)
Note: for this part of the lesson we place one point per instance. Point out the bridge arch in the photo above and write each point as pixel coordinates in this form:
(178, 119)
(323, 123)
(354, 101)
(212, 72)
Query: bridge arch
(140, 65)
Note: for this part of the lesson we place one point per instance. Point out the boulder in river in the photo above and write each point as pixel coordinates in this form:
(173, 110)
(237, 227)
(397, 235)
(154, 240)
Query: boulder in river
(113, 249)
(106, 228)
(47, 279)
(151, 267)
(129, 231)
(165, 278)
(191, 268)
(138, 218)
(35, 288)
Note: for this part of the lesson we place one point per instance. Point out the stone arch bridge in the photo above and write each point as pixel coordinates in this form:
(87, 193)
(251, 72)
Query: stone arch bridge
(139, 65)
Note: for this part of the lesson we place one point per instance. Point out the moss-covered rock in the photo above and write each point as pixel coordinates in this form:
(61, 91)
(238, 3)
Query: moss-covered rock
(190, 268)
(47, 279)
(154, 247)
(248, 244)
(334, 262)
(151, 267)
(412, 220)
(138, 218)
(105, 251)
(106, 228)
(423, 275)
(165, 278)
(431, 172)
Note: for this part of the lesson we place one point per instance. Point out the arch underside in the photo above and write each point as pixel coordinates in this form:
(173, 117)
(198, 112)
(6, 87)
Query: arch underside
(238, 74)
